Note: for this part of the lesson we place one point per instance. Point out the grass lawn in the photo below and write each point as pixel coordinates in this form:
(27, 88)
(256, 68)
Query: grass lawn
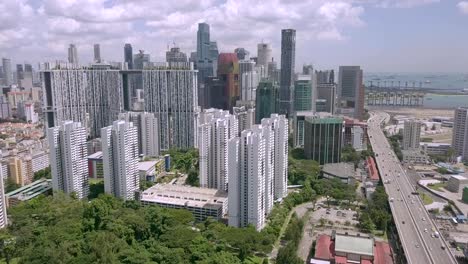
(438, 186)
(426, 198)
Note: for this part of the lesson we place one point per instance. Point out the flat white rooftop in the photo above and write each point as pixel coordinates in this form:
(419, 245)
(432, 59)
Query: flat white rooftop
(185, 196)
(354, 244)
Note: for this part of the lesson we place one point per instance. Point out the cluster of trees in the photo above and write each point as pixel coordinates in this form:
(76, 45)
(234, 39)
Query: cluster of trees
(293, 235)
(45, 173)
(61, 229)
(349, 154)
(377, 214)
(395, 143)
(186, 161)
(300, 169)
(448, 157)
(335, 189)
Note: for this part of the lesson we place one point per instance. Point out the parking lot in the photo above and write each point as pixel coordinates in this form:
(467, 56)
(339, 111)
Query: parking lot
(341, 216)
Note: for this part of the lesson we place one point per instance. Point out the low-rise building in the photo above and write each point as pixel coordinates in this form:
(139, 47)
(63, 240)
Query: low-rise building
(435, 148)
(201, 202)
(456, 182)
(414, 156)
(343, 171)
(150, 169)
(351, 248)
(372, 171)
(28, 192)
(95, 165)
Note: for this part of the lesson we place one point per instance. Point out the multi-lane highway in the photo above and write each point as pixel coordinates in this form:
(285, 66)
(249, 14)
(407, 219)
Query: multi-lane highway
(419, 236)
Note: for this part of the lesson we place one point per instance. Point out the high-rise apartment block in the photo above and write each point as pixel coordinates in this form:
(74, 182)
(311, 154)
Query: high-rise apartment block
(68, 158)
(411, 135)
(266, 100)
(91, 96)
(460, 132)
(245, 116)
(97, 53)
(257, 172)
(288, 60)
(216, 128)
(351, 92)
(171, 94)
(120, 159)
(3, 211)
(323, 139)
(148, 131)
(72, 54)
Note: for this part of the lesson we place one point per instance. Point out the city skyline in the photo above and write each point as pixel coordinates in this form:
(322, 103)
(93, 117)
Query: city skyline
(42, 31)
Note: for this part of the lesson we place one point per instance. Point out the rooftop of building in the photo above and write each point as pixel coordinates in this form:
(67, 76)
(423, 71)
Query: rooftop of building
(185, 196)
(459, 177)
(318, 119)
(146, 165)
(432, 144)
(373, 172)
(354, 244)
(31, 190)
(342, 169)
(97, 155)
(324, 248)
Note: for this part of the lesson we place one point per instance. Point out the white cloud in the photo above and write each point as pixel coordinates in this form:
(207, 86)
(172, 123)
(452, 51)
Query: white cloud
(43, 30)
(463, 7)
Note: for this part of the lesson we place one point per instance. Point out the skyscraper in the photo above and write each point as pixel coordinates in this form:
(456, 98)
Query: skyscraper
(411, 135)
(148, 132)
(327, 92)
(8, 75)
(323, 139)
(207, 54)
(216, 128)
(288, 60)
(264, 55)
(248, 79)
(97, 53)
(203, 41)
(19, 72)
(266, 100)
(325, 76)
(303, 99)
(128, 55)
(351, 92)
(68, 158)
(120, 159)
(228, 71)
(90, 96)
(175, 55)
(171, 94)
(242, 54)
(72, 54)
(460, 132)
(141, 60)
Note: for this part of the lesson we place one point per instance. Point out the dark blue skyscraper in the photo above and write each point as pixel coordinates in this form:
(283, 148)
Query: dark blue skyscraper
(128, 55)
(288, 58)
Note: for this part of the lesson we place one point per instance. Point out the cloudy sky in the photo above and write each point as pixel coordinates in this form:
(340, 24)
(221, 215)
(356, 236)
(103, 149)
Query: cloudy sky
(379, 35)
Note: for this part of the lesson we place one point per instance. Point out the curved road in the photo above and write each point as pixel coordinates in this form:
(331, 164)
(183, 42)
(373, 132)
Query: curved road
(415, 227)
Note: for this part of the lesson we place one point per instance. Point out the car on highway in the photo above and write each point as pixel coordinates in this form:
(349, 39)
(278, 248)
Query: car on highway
(424, 219)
